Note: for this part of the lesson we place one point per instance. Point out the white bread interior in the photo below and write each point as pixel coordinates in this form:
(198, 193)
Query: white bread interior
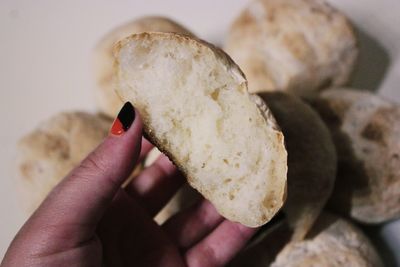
(194, 102)
(107, 101)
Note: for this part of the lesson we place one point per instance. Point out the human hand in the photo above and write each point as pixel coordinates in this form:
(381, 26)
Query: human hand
(89, 220)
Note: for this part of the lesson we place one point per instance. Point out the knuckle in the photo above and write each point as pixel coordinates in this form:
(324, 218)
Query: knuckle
(94, 164)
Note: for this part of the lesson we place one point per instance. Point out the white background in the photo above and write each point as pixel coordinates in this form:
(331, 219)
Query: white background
(45, 52)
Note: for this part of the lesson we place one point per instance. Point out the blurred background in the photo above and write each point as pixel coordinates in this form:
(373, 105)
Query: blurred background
(45, 65)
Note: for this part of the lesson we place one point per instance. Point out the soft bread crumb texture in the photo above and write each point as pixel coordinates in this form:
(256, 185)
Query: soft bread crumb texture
(196, 108)
(107, 100)
(300, 46)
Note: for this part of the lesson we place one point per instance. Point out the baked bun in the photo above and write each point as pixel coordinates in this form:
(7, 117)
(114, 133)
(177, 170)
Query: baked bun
(311, 160)
(366, 132)
(107, 101)
(195, 107)
(333, 242)
(299, 46)
(49, 153)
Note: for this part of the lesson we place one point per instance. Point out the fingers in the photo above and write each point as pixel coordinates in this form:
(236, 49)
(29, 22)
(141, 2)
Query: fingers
(146, 147)
(220, 246)
(190, 226)
(82, 197)
(156, 184)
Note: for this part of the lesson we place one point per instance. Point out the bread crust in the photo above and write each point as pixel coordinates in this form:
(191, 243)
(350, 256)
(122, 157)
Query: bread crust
(239, 77)
(50, 152)
(106, 99)
(366, 130)
(299, 46)
(311, 161)
(333, 242)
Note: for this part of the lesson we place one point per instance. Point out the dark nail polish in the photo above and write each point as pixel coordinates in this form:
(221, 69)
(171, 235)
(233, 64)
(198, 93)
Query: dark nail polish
(124, 119)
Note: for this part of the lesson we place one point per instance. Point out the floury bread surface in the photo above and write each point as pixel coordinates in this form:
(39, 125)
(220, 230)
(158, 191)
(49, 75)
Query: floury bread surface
(51, 151)
(298, 46)
(195, 106)
(366, 131)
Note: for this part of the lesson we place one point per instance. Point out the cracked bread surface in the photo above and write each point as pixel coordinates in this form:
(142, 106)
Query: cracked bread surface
(297, 46)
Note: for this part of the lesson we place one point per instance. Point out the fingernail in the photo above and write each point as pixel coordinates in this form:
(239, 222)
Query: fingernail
(124, 119)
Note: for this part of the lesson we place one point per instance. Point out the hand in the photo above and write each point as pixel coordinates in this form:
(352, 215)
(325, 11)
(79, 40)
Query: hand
(89, 220)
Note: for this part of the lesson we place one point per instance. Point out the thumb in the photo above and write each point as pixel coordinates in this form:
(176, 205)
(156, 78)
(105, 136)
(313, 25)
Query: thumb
(84, 195)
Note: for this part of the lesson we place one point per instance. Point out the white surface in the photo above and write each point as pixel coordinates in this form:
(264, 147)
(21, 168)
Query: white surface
(45, 53)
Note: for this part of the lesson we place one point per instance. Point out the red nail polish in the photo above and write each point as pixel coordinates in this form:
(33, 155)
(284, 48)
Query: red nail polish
(124, 119)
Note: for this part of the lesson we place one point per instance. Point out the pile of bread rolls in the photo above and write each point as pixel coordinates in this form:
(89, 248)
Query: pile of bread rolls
(343, 144)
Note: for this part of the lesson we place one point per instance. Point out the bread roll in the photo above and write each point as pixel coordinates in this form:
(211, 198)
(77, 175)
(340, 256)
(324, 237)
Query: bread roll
(299, 46)
(195, 106)
(107, 101)
(333, 242)
(366, 132)
(311, 160)
(50, 152)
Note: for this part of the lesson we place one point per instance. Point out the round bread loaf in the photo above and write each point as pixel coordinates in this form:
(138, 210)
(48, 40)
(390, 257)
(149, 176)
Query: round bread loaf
(311, 160)
(366, 132)
(195, 107)
(107, 100)
(49, 153)
(333, 242)
(299, 46)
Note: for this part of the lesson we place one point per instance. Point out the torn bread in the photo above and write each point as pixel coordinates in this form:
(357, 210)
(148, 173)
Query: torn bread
(311, 160)
(195, 106)
(106, 99)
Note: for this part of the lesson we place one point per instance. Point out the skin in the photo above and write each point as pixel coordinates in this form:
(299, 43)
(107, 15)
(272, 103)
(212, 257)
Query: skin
(89, 220)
